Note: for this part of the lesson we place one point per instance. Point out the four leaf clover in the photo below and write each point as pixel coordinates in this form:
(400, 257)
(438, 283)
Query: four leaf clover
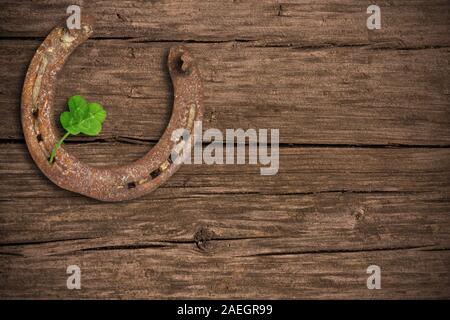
(83, 117)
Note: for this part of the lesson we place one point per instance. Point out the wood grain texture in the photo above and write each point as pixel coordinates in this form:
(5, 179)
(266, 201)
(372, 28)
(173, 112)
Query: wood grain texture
(175, 273)
(325, 96)
(302, 170)
(406, 23)
(364, 162)
(205, 222)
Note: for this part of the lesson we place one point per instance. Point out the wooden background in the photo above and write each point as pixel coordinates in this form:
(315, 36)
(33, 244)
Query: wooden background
(364, 119)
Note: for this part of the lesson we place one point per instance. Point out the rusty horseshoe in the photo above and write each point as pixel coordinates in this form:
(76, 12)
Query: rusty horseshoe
(112, 183)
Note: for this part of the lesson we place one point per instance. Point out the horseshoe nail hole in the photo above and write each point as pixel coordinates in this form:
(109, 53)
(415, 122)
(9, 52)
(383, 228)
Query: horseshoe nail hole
(155, 173)
(35, 113)
(39, 138)
(131, 185)
(181, 65)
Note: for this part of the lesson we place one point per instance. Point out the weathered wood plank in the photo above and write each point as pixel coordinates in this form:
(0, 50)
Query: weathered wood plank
(318, 96)
(320, 240)
(178, 273)
(313, 22)
(225, 225)
(302, 170)
(322, 198)
(309, 68)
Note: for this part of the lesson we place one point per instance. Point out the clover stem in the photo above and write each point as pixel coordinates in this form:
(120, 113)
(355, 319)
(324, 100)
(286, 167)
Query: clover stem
(57, 146)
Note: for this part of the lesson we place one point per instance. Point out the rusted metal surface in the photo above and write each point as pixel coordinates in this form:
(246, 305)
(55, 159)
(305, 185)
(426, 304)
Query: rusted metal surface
(113, 183)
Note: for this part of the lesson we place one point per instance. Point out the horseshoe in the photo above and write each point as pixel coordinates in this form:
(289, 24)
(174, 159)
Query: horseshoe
(112, 183)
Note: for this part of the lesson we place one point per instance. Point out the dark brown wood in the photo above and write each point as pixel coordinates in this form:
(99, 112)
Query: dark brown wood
(319, 96)
(302, 170)
(314, 220)
(406, 23)
(364, 162)
(180, 272)
(223, 227)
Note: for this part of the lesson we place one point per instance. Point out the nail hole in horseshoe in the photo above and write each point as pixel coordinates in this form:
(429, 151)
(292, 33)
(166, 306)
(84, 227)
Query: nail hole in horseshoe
(155, 173)
(179, 64)
(131, 185)
(35, 113)
(39, 138)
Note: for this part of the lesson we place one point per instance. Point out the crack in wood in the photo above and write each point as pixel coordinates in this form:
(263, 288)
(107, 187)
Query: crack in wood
(256, 43)
(337, 251)
(12, 254)
(33, 243)
(140, 141)
(123, 247)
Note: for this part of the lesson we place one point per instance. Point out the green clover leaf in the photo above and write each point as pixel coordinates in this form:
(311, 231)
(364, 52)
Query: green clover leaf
(82, 117)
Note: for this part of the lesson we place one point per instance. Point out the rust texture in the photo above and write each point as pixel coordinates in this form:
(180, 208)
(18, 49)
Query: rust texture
(113, 183)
